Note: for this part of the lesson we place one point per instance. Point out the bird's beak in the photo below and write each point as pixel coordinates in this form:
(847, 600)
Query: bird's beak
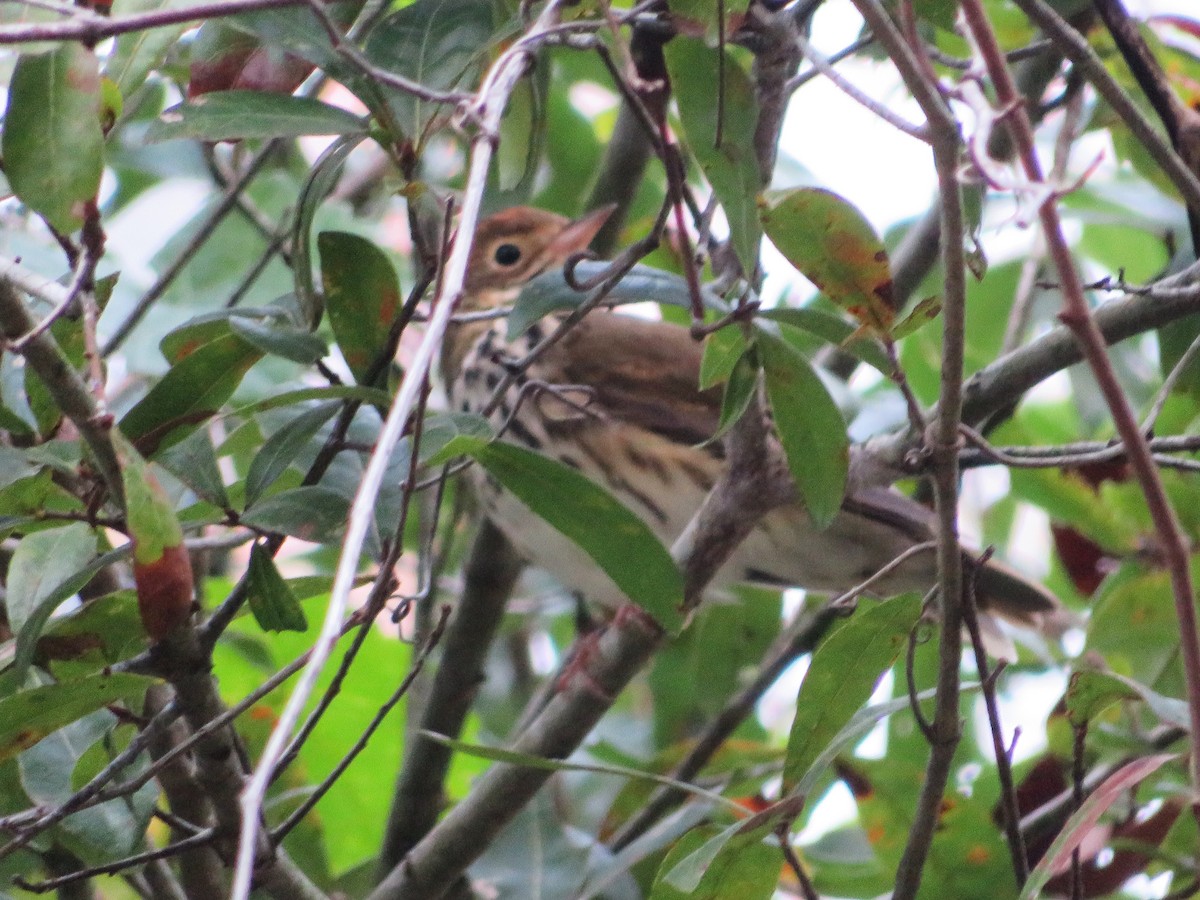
(576, 236)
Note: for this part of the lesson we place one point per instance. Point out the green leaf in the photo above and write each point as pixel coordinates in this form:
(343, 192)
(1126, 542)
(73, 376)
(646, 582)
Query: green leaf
(834, 246)
(322, 178)
(516, 758)
(921, 314)
(281, 448)
(362, 295)
(42, 563)
(730, 165)
(940, 12)
(722, 350)
(744, 868)
(303, 395)
(35, 621)
(443, 429)
(314, 513)
(238, 115)
(855, 730)
(99, 833)
(439, 43)
(279, 339)
(194, 462)
(274, 605)
(1091, 692)
(149, 515)
(619, 542)
(52, 144)
(47, 413)
(810, 426)
(29, 716)
(137, 53)
(192, 391)
(739, 391)
(836, 331)
(845, 670)
(1173, 342)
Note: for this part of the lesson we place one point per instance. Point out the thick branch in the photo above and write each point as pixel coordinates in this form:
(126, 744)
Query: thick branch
(64, 384)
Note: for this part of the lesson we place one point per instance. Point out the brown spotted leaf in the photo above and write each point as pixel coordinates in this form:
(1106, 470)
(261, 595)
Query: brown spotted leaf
(833, 245)
(362, 295)
(29, 716)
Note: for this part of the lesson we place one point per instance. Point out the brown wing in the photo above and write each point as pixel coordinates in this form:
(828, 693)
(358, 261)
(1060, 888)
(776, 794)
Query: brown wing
(642, 372)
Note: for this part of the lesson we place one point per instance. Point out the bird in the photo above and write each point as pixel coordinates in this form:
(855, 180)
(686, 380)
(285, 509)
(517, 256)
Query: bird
(618, 399)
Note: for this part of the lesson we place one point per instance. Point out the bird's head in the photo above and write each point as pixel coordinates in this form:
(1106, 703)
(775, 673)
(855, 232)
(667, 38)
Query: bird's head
(517, 244)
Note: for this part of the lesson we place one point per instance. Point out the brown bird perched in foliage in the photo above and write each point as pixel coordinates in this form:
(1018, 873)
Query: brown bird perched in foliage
(617, 398)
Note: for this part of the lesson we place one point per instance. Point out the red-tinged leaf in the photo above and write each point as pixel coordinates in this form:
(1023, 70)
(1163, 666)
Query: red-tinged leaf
(845, 670)
(1086, 817)
(1085, 561)
(52, 144)
(1097, 473)
(362, 295)
(834, 246)
(226, 58)
(1126, 861)
(164, 591)
(1186, 24)
(809, 425)
(1046, 780)
(162, 569)
(191, 392)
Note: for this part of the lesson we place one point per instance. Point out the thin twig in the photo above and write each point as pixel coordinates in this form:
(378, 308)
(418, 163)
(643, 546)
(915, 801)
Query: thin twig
(40, 887)
(90, 29)
(881, 110)
(282, 829)
(987, 680)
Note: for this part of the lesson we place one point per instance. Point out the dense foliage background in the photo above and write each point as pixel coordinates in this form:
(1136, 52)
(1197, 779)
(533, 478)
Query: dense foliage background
(229, 251)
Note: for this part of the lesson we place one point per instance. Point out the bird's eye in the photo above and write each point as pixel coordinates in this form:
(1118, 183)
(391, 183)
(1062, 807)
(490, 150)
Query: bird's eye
(507, 254)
